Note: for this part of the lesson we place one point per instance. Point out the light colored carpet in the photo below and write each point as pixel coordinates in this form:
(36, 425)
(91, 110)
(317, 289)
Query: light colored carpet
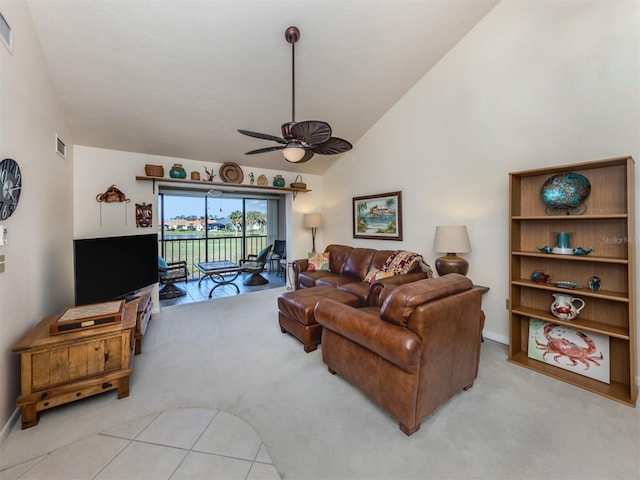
(229, 354)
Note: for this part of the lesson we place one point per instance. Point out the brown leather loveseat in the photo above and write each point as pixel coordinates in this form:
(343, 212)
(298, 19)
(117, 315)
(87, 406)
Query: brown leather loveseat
(349, 266)
(412, 353)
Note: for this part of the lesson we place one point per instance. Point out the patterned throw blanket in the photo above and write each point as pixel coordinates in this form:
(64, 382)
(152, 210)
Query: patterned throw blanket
(401, 261)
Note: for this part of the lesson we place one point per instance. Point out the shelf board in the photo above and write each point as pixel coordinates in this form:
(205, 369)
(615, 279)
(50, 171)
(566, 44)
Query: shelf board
(603, 294)
(552, 218)
(218, 184)
(590, 325)
(572, 258)
(615, 390)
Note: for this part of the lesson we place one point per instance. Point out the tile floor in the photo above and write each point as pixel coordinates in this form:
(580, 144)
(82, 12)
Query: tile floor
(194, 443)
(180, 444)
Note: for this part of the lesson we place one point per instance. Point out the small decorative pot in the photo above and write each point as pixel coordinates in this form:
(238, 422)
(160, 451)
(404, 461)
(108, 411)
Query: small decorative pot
(177, 171)
(195, 175)
(563, 307)
(278, 181)
(594, 283)
(540, 277)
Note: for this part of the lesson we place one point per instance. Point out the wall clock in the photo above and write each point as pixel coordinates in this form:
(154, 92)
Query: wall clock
(10, 185)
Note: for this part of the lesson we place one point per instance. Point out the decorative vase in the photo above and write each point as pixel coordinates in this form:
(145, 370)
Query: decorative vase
(278, 181)
(563, 307)
(594, 283)
(177, 171)
(565, 191)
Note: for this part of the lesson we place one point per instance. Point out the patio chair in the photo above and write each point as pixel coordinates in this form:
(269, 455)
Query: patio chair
(169, 273)
(278, 253)
(255, 264)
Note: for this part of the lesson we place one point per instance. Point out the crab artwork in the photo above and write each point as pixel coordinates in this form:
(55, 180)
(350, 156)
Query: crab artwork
(560, 347)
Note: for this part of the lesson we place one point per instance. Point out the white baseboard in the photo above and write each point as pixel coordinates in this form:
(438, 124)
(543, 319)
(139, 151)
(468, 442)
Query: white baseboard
(496, 337)
(4, 433)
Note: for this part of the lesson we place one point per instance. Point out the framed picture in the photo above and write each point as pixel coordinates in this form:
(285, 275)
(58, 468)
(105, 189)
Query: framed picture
(585, 353)
(378, 216)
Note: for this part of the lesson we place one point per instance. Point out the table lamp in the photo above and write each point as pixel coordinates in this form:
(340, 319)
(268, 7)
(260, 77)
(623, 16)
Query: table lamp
(451, 240)
(312, 221)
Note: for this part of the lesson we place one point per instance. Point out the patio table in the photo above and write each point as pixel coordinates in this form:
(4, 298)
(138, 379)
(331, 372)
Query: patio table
(216, 271)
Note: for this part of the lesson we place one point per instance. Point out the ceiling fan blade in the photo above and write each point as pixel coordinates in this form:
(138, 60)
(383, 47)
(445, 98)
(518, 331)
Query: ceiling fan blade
(307, 156)
(311, 132)
(265, 150)
(264, 136)
(332, 146)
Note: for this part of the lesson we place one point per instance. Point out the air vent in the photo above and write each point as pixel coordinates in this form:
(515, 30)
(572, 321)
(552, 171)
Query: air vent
(5, 33)
(61, 148)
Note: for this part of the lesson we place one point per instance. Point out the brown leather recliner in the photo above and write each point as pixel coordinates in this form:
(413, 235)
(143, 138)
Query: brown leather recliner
(412, 353)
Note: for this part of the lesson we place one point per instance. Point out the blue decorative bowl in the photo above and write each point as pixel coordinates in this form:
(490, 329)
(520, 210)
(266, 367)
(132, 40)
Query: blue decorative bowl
(565, 191)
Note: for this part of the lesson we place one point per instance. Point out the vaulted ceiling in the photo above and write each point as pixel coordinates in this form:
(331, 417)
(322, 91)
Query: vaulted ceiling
(179, 77)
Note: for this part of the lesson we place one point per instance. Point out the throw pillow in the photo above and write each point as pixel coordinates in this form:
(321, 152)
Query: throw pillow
(318, 262)
(376, 274)
(162, 262)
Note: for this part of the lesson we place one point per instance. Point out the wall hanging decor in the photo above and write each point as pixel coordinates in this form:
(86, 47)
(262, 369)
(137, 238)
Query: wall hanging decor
(378, 216)
(10, 187)
(144, 215)
(113, 195)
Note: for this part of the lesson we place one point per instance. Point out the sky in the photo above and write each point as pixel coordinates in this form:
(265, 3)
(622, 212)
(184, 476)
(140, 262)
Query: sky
(217, 207)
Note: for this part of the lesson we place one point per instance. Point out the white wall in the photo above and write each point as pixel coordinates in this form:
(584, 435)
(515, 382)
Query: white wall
(534, 84)
(96, 169)
(38, 277)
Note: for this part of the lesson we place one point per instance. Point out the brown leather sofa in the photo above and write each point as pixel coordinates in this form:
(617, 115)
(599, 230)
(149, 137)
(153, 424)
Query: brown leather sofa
(348, 267)
(412, 353)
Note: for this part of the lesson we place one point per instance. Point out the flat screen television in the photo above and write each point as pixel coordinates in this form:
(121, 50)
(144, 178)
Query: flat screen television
(109, 268)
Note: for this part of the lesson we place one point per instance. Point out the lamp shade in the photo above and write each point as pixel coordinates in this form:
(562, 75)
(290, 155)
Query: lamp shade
(293, 152)
(312, 220)
(452, 239)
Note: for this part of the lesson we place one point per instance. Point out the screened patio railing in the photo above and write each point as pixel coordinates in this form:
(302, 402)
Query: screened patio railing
(193, 249)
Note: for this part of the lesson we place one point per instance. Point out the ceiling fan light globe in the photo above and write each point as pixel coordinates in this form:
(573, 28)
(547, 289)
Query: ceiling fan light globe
(293, 153)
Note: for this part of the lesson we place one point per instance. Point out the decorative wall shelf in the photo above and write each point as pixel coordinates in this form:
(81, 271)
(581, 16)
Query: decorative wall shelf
(227, 186)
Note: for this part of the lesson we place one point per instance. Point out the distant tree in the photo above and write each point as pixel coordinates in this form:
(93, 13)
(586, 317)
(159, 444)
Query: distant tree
(236, 219)
(256, 218)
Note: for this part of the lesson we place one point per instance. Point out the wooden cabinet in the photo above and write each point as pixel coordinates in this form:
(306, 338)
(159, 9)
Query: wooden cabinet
(57, 369)
(607, 225)
(143, 315)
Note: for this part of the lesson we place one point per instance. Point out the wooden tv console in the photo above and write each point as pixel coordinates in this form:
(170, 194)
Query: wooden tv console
(58, 369)
(143, 316)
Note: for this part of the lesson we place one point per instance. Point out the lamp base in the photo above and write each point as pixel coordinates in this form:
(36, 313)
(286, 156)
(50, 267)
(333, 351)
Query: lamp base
(451, 263)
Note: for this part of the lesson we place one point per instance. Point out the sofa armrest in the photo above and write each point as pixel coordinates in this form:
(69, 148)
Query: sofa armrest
(376, 289)
(299, 265)
(395, 344)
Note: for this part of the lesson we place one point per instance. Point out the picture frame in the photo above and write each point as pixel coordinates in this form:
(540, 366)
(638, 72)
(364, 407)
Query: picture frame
(378, 216)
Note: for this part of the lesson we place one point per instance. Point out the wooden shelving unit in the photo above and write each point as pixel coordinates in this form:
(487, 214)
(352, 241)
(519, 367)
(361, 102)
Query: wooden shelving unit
(228, 186)
(608, 226)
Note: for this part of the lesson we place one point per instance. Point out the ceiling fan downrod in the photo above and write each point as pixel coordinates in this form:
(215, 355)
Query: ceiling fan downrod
(292, 34)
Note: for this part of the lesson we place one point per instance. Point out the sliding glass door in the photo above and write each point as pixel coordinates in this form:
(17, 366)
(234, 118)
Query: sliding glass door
(197, 227)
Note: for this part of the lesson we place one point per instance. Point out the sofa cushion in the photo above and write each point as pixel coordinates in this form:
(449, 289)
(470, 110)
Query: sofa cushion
(333, 280)
(359, 289)
(308, 279)
(318, 261)
(339, 255)
(399, 305)
(357, 263)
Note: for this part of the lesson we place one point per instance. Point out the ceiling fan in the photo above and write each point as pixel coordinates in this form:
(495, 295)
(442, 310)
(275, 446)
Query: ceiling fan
(300, 140)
